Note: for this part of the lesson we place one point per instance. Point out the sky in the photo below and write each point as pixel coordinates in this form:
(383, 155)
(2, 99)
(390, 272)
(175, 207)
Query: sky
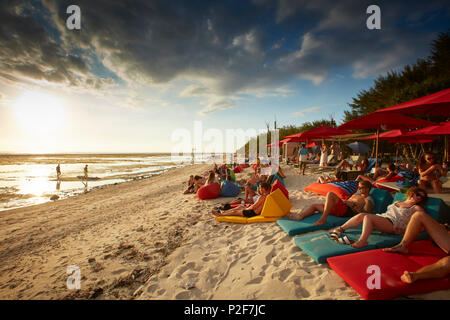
(158, 76)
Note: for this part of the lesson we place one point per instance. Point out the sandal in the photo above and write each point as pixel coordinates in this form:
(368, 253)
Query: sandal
(345, 240)
(336, 233)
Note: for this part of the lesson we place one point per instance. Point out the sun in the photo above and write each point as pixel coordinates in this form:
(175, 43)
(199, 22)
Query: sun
(39, 112)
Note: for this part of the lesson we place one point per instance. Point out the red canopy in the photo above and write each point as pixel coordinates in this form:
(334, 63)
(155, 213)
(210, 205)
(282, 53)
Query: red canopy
(440, 129)
(320, 132)
(437, 104)
(382, 121)
(386, 135)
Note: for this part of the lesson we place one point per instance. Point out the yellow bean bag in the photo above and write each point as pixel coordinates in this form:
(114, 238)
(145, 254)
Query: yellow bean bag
(275, 207)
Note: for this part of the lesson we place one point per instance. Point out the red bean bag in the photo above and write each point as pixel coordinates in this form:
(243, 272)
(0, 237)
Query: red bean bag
(210, 191)
(244, 165)
(278, 185)
(238, 169)
(353, 268)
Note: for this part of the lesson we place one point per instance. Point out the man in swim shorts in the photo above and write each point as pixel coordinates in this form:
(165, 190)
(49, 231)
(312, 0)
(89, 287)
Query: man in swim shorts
(335, 206)
(302, 158)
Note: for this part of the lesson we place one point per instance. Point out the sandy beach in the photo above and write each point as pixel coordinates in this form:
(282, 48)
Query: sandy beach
(144, 239)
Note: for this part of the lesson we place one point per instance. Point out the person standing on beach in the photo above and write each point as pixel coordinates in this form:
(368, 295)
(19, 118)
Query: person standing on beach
(86, 172)
(58, 172)
(324, 155)
(302, 158)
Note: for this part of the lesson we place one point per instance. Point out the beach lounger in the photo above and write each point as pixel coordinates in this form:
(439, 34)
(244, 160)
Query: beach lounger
(382, 199)
(320, 246)
(353, 268)
(275, 207)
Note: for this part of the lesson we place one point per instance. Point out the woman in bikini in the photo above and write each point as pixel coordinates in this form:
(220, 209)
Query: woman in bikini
(393, 221)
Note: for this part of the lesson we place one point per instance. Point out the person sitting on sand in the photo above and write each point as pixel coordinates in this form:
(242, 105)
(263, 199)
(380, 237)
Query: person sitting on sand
(198, 183)
(359, 202)
(252, 211)
(251, 186)
(419, 222)
(190, 185)
(393, 221)
(211, 178)
(430, 172)
(380, 174)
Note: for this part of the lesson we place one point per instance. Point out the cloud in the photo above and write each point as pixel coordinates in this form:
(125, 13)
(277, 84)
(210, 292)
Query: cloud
(303, 112)
(216, 105)
(222, 50)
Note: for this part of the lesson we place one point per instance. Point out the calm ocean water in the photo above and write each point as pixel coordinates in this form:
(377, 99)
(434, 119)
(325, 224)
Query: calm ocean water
(31, 179)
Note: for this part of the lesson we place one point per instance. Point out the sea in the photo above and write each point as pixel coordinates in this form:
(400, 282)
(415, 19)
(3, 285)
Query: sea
(29, 179)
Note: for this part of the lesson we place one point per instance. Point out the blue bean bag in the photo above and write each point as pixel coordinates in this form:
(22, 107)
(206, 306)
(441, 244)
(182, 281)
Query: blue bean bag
(229, 189)
(381, 198)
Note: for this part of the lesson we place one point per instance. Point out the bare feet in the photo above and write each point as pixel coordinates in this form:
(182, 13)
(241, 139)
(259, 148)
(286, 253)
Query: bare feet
(295, 216)
(359, 244)
(397, 249)
(407, 277)
(320, 222)
(216, 213)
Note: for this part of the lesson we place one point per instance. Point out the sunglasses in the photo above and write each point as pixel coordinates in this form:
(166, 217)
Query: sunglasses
(420, 195)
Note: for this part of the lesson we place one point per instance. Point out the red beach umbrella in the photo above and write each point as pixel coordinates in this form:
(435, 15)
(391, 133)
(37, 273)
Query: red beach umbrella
(437, 104)
(320, 132)
(380, 121)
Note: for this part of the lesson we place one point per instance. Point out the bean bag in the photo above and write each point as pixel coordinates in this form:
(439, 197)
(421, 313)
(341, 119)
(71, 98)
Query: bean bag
(381, 198)
(244, 165)
(276, 205)
(393, 179)
(320, 246)
(275, 178)
(343, 190)
(353, 269)
(229, 189)
(210, 191)
(238, 170)
(277, 185)
(244, 220)
(280, 172)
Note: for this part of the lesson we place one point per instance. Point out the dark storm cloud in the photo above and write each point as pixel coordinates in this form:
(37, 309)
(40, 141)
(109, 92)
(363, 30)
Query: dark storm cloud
(27, 51)
(224, 48)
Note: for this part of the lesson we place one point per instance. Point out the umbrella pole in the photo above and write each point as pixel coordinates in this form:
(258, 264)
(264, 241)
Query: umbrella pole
(446, 147)
(396, 153)
(376, 151)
